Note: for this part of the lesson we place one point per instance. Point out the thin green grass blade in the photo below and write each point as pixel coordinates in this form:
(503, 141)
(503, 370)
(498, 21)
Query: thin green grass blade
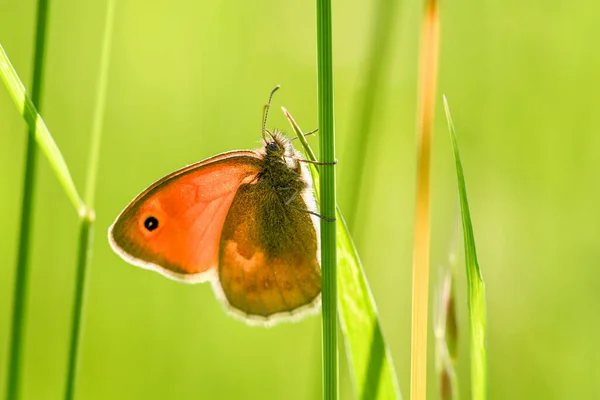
(371, 365)
(84, 255)
(17, 334)
(42, 134)
(99, 111)
(476, 287)
(365, 103)
(86, 227)
(328, 228)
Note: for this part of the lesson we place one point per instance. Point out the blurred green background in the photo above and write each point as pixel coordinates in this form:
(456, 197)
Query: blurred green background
(188, 79)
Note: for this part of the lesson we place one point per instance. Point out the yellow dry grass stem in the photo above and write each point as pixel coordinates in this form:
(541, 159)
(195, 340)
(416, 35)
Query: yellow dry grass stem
(428, 83)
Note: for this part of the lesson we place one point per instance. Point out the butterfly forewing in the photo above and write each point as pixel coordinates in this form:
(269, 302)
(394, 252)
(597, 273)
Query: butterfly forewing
(174, 226)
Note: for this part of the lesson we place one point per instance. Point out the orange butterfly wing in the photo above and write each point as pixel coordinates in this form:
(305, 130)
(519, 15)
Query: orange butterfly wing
(268, 264)
(174, 226)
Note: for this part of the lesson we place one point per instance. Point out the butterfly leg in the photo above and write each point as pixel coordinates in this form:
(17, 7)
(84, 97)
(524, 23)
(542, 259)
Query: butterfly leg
(315, 214)
(292, 197)
(307, 134)
(287, 203)
(316, 162)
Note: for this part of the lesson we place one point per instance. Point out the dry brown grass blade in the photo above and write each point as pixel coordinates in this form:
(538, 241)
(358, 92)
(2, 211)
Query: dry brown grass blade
(420, 286)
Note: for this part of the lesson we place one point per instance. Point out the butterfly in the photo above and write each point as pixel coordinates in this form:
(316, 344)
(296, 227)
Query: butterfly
(244, 220)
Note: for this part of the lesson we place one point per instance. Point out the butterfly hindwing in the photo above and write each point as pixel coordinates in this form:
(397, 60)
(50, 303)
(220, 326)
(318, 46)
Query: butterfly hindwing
(268, 256)
(174, 226)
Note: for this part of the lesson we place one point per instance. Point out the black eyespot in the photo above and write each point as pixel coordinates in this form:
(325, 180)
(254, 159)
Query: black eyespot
(151, 223)
(272, 146)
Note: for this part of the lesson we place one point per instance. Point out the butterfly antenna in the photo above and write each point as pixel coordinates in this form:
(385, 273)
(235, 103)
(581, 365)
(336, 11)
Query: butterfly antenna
(266, 114)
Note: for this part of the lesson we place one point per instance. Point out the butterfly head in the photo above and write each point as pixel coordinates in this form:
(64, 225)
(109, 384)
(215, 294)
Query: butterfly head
(278, 146)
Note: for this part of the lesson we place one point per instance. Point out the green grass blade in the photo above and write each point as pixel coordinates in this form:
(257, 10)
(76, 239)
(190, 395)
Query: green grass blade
(17, 334)
(364, 109)
(328, 228)
(371, 365)
(87, 222)
(42, 134)
(83, 260)
(99, 112)
(476, 287)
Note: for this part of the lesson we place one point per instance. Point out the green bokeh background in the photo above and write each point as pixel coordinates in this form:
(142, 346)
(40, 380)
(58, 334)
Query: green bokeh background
(188, 79)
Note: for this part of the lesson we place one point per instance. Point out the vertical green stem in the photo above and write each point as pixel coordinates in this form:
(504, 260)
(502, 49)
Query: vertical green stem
(100, 105)
(328, 229)
(87, 221)
(17, 334)
(83, 260)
